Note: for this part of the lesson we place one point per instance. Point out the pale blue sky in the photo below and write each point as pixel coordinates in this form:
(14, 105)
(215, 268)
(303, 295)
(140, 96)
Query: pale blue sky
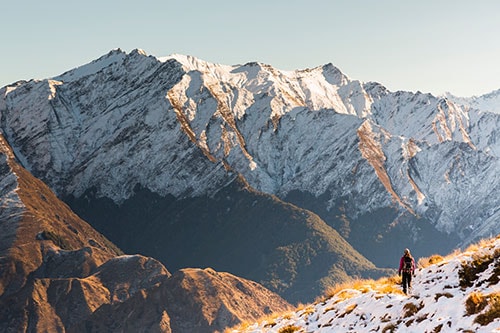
(427, 45)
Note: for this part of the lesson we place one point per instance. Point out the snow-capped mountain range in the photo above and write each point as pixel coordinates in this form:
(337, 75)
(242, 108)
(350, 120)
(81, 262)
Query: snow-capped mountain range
(184, 127)
(458, 293)
(489, 102)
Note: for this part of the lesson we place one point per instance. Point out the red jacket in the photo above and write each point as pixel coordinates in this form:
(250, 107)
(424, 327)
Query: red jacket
(402, 262)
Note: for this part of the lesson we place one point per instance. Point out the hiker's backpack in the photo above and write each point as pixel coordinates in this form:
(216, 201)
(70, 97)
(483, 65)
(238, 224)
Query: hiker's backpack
(407, 266)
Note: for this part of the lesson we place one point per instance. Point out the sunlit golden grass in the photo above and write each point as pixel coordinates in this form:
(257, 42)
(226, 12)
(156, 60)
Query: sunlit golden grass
(483, 243)
(492, 312)
(475, 303)
(428, 261)
(344, 291)
(334, 290)
(289, 329)
(266, 321)
(307, 309)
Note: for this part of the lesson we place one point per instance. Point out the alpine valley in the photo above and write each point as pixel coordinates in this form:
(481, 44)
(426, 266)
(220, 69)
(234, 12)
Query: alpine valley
(296, 180)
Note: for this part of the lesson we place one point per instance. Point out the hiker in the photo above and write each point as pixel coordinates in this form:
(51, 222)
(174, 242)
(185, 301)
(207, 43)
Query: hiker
(407, 266)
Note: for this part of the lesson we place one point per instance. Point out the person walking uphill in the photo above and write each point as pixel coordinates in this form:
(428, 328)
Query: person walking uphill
(407, 267)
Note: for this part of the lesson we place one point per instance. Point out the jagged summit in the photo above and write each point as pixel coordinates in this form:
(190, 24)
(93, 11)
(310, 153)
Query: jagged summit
(457, 293)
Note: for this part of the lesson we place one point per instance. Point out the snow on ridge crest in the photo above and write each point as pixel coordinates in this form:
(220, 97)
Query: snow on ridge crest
(489, 102)
(93, 67)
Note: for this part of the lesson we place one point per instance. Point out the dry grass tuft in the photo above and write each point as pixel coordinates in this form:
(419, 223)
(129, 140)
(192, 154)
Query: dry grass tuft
(492, 312)
(475, 303)
(495, 276)
(307, 310)
(437, 329)
(469, 272)
(426, 262)
(390, 328)
(389, 285)
(348, 310)
(411, 309)
(289, 329)
(337, 288)
(439, 295)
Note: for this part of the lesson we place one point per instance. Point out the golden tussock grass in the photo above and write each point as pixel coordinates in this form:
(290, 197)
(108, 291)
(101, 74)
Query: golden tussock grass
(307, 309)
(428, 261)
(267, 321)
(492, 311)
(475, 303)
(289, 329)
(344, 291)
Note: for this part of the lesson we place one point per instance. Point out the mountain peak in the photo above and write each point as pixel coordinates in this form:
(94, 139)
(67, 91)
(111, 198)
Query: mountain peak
(139, 52)
(334, 75)
(113, 56)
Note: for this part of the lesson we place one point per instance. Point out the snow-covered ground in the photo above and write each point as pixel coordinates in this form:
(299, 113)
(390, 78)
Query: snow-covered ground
(441, 301)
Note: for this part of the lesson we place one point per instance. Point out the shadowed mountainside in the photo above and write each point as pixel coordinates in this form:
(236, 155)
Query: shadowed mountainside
(251, 234)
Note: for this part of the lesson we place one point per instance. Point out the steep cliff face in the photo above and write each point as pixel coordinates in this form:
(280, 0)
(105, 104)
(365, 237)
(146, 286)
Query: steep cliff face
(386, 169)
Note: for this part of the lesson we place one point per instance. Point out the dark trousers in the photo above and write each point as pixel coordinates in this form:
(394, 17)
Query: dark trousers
(406, 281)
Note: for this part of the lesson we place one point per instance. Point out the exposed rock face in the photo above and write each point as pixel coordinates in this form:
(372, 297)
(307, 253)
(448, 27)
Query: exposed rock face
(58, 274)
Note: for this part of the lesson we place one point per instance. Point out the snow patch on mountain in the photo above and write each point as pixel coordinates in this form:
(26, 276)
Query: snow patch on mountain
(11, 206)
